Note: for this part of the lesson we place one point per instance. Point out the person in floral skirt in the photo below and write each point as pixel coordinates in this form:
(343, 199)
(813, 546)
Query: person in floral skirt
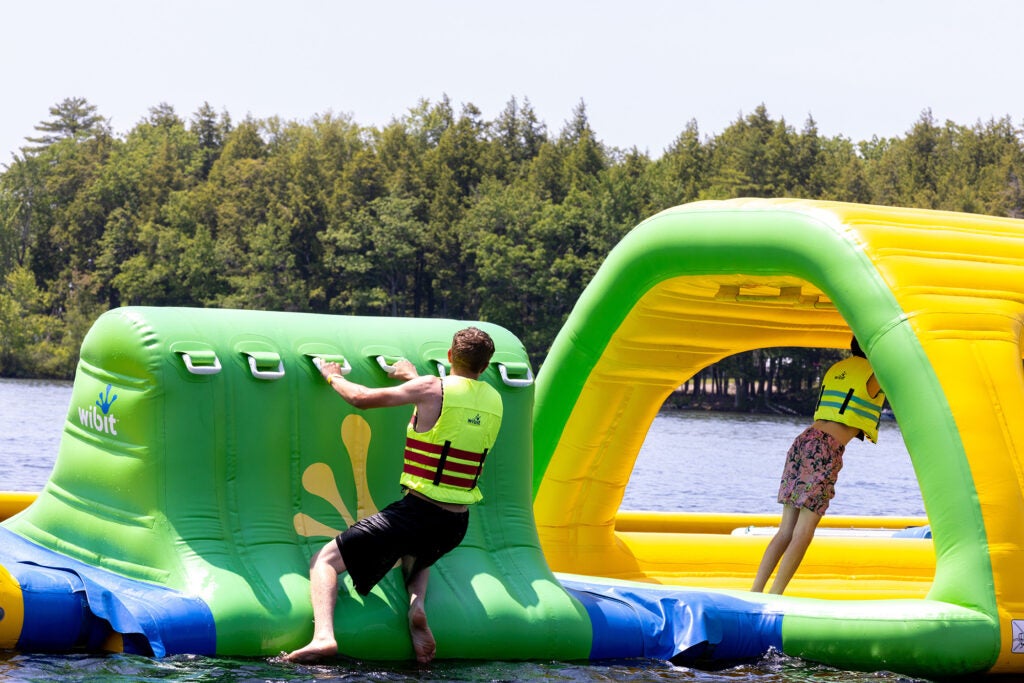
(849, 406)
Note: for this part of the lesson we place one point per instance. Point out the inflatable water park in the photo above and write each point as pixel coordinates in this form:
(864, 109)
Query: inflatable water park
(204, 460)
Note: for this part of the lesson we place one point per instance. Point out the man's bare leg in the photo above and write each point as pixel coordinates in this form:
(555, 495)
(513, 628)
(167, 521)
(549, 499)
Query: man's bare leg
(323, 591)
(423, 642)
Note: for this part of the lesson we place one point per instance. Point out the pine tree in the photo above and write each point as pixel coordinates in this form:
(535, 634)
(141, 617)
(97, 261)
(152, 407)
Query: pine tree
(73, 118)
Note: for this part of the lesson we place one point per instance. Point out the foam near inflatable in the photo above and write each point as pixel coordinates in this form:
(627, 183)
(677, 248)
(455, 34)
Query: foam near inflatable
(204, 461)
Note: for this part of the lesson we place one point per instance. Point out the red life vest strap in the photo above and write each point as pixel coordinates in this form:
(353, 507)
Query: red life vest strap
(434, 463)
(437, 449)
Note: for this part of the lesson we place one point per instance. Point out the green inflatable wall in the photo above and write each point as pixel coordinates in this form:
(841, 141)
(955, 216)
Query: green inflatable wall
(203, 452)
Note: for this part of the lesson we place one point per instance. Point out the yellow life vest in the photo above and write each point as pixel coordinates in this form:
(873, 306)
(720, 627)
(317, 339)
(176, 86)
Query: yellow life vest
(844, 397)
(444, 463)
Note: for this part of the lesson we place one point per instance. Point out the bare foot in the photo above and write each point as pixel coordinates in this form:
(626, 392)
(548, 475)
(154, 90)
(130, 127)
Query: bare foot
(422, 639)
(314, 652)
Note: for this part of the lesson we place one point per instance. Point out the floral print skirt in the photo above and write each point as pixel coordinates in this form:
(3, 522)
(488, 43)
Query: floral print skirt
(812, 467)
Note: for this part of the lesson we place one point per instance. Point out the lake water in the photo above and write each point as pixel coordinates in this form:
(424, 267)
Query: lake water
(703, 461)
(691, 461)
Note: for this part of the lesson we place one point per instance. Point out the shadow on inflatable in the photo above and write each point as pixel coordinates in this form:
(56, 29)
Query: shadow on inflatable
(203, 462)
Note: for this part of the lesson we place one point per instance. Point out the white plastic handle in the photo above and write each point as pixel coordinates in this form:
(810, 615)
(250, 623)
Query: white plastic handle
(384, 365)
(345, 367)
(201, 369)
(266, 374)
(525, 382)
(441, 372)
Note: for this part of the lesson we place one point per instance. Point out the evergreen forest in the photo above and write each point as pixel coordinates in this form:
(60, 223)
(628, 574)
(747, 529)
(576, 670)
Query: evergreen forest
(440, 213)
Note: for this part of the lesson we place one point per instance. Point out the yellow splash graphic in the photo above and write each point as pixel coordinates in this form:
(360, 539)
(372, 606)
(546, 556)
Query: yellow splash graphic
(319, 480)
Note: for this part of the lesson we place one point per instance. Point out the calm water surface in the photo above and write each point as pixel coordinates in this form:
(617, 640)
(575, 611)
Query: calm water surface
(691, 461)
(701, 461)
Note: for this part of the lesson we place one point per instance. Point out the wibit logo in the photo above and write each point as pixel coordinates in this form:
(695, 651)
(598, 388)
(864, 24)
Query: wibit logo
(101, 420)
(474, 420)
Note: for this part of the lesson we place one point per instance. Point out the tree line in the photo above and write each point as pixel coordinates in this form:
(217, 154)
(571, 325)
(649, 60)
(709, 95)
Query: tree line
(439, 213)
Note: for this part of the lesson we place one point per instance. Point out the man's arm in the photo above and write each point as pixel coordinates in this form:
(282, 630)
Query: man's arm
(415, 390)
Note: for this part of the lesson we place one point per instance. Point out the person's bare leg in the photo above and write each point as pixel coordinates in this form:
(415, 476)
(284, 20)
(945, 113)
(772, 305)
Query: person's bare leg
(803, 534)
(423, 642)
(323, 591)
(776, 547)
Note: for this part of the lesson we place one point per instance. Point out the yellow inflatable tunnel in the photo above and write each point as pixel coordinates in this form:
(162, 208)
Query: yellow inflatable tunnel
(936, 300)
(202, 465)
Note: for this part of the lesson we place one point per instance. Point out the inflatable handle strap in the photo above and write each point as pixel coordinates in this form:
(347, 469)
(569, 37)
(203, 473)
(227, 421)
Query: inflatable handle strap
(203, 368)
(518, 368)
(256, 357)
(386, 363)
(318, 361)
(441, 363)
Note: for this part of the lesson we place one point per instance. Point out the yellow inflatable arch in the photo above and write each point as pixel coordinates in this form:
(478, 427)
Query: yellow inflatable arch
(936, 300)
(201, 464)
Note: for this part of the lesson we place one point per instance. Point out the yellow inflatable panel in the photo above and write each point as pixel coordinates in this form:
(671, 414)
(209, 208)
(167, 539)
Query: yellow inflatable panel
(937, 302)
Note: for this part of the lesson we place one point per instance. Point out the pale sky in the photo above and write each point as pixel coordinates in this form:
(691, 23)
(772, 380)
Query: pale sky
(644, 68)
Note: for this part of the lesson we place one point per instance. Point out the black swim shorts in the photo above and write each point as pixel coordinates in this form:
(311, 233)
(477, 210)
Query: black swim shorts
(409, 526)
